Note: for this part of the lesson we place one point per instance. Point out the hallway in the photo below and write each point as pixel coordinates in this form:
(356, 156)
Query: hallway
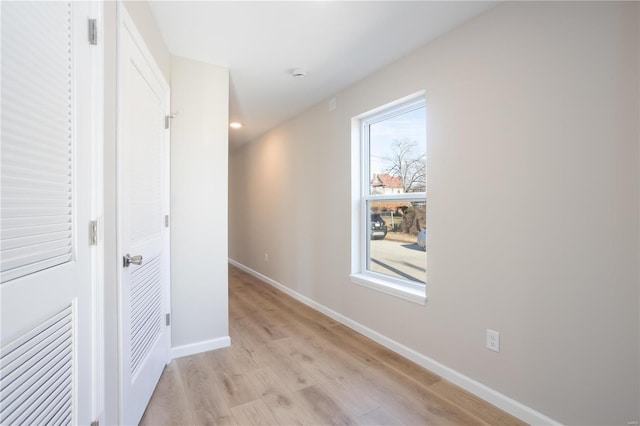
(289, 364)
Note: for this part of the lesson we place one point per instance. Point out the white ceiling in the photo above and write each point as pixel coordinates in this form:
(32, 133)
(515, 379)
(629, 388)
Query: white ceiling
(336, 42)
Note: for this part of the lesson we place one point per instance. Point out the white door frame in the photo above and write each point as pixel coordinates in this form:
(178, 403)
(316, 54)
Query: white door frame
(97, 210)
(96, 11)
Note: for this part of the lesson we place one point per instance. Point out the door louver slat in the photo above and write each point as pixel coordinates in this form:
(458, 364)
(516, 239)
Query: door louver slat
(36, 374)
(146, 316)
(36, 179)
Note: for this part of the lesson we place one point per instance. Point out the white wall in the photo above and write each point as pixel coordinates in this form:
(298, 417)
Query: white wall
(141, 14)
(199, 176)
(533, 180)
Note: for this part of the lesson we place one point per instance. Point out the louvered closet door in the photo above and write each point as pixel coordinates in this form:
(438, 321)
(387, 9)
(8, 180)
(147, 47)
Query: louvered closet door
(143, 193)
(45, 272)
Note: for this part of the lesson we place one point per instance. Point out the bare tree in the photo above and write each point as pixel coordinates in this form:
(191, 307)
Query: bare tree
(408, 162)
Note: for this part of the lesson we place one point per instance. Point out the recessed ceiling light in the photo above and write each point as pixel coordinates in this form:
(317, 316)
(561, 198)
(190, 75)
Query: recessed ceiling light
(235, 125)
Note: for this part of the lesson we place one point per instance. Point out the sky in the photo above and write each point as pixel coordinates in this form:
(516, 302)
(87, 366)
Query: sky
(410, 125)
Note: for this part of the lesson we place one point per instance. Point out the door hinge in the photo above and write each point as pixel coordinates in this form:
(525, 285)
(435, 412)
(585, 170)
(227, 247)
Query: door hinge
(93, 232)
(167, 120)
(93, 32)
(166, 221)
(167, 319)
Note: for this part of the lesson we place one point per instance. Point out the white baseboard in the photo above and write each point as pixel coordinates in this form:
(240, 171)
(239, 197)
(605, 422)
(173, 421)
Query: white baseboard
(204, 346)
(501, 401)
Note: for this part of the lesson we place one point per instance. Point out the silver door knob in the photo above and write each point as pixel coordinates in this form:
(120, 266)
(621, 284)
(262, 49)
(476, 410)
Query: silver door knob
(127, 260)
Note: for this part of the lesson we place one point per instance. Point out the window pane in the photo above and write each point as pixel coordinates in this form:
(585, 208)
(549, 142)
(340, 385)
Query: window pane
(397, 154)
(396, 245)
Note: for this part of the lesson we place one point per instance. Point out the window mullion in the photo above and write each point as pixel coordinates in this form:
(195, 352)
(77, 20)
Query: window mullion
(408, 196)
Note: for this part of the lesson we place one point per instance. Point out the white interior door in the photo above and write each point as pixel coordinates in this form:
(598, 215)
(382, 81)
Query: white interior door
(143, 152)
(45, 255)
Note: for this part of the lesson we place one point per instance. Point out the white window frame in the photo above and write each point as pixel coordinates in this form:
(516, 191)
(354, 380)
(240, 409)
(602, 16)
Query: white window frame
(361, 197)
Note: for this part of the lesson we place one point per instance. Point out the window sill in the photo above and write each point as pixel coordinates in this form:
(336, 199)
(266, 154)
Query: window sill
(385, 286)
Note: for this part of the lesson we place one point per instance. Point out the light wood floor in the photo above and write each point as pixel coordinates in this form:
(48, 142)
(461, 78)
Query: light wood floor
(290, 365)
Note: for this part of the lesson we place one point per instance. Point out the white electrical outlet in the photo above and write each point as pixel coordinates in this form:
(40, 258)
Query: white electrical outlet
(266, 257)
(493, 340)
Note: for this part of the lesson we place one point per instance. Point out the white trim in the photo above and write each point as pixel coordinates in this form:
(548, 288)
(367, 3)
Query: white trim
(386, 285)
(97, 213)
(198, 347)
(120, 16)
(511, 406)
(405, 196)
(379, 111)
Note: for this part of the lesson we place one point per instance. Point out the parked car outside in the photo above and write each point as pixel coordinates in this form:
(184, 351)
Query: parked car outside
(378, 227)
(422, 239)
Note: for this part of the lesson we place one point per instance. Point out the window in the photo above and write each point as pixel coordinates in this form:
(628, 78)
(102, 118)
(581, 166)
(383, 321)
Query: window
(389, 199)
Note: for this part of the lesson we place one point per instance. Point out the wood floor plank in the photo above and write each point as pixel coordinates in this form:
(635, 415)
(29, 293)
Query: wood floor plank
(325, 406)
(292, 365)
(250, 330)
(292, 374)
(357, 404)
(378, 417)
(328, 370)
(260, 316)
(474, 405)
(265, 381)
(235, 387)
(170, 405)
(208, 405)
(290, 408)
(238, 359)
(254, 413)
